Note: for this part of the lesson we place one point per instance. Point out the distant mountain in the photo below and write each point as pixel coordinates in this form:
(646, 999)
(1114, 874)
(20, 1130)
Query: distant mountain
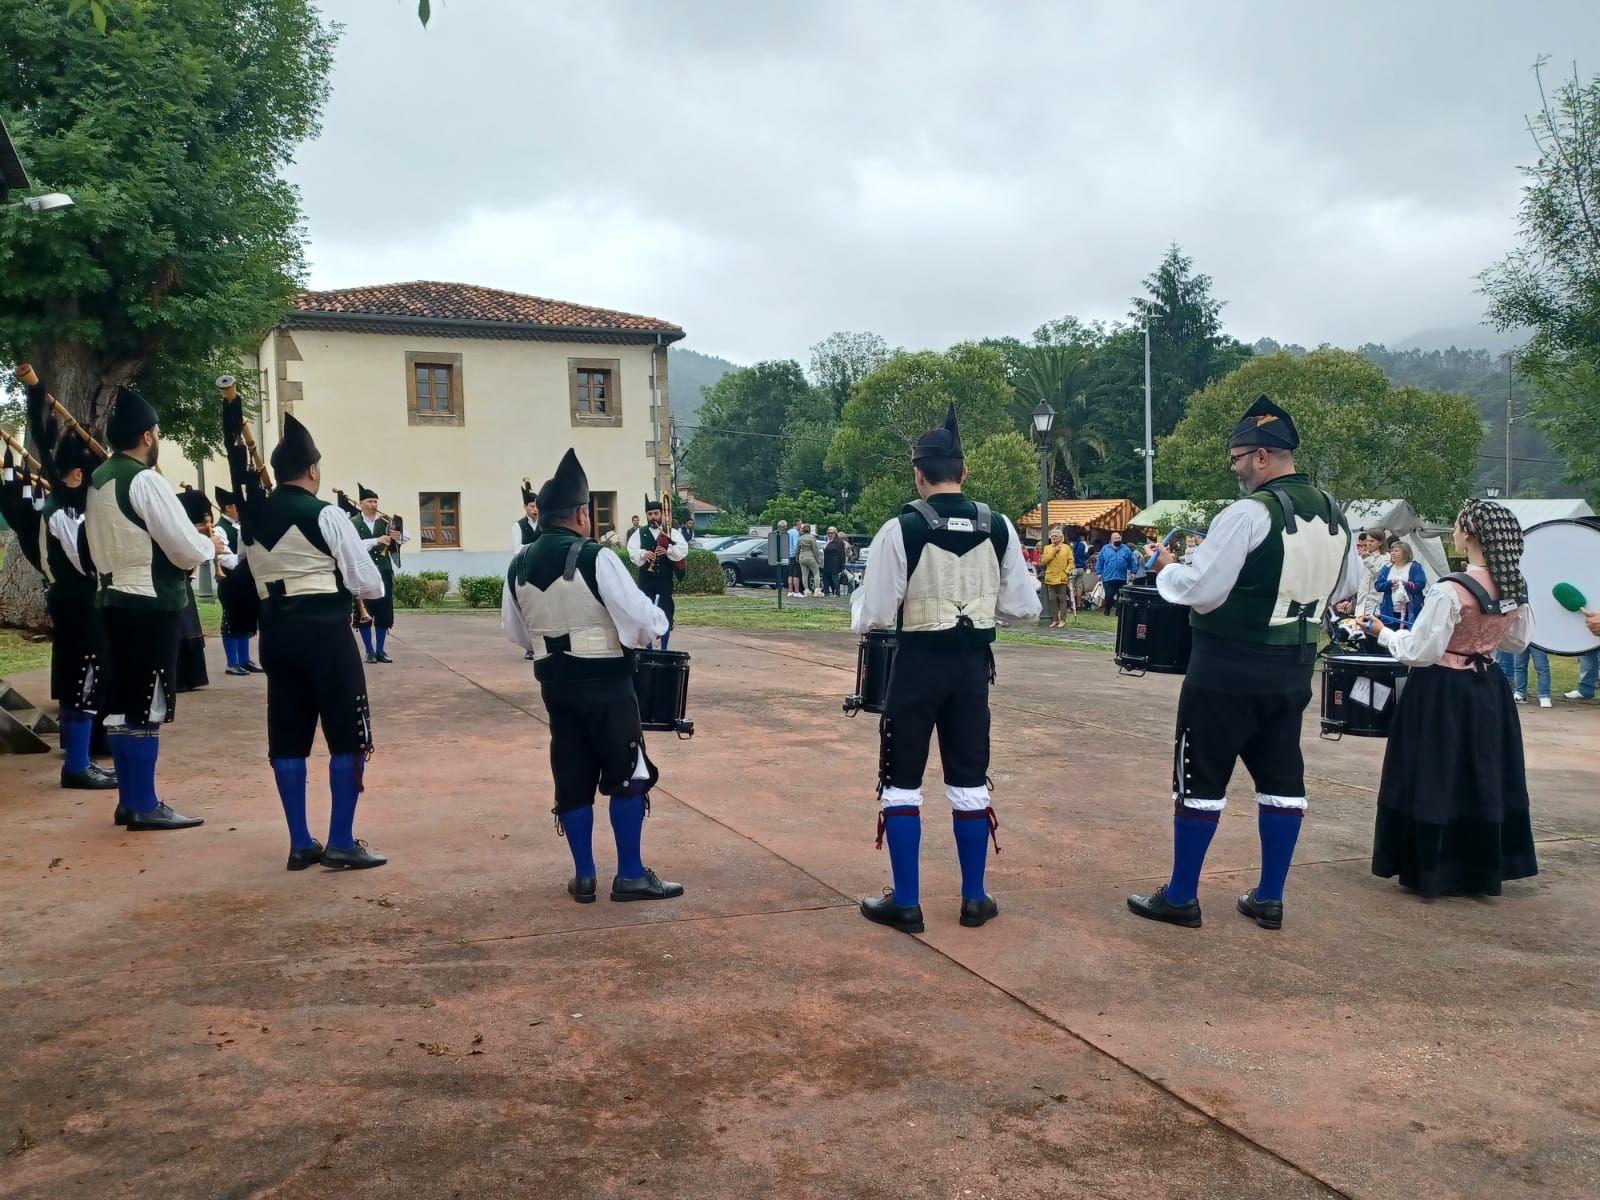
(689, 373)
(1465, 337)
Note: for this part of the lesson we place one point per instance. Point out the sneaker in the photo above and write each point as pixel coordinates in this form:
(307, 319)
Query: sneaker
(1544, 701)
(1575, 695)
(1520, 697)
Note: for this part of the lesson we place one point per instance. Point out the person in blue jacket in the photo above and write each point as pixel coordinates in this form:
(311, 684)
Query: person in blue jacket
(1114, 566)
(1400, 586)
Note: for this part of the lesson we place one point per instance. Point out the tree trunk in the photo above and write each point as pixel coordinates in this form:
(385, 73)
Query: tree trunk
(74, 375)
(21, 589)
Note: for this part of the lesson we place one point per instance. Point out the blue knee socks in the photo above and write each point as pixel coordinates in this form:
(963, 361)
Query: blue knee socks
(244, 649)
(972, 848)
(76, 726)
(665, 638)
(383, 635)
(230, 649)
(578, 825)
(627, 826)
(291, 776)
(135, 755)
(903, 828)
(1280, 829)
(366, 636)
(344, 781)
(1192, 832)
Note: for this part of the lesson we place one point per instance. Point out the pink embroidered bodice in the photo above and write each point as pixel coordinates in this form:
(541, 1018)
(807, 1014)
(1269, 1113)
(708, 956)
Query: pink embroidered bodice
(1477, 633)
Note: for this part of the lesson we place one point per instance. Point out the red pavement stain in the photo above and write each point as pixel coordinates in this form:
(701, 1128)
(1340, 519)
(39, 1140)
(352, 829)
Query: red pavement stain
(188, 1019)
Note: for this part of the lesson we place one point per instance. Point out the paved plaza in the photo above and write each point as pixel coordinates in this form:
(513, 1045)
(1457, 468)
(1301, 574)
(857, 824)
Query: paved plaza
(184, 1018)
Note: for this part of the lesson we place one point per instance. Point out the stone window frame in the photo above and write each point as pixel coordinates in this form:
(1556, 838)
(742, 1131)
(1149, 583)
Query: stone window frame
(422, 497)
(458, 390)
(597, 502)
(613, 418)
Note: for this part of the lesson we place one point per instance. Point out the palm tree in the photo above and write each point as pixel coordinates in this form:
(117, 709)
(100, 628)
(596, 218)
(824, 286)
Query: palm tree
(1060, 376)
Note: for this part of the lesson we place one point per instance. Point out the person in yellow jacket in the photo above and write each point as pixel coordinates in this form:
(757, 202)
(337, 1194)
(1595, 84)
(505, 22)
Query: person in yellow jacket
(1056, 558)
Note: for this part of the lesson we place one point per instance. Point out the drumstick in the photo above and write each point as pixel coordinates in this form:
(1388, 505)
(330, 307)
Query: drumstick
(1569, 597)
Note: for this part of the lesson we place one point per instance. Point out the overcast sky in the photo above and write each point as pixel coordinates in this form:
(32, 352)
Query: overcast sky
(764, 174)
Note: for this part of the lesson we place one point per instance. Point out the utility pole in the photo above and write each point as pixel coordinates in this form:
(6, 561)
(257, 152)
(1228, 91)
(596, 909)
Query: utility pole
(1511, 362)
(1149, 449)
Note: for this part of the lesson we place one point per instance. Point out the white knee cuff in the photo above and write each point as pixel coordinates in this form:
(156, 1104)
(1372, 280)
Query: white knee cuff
(1281, 801)
(894, 797)
(1199, 805)
(967, 799)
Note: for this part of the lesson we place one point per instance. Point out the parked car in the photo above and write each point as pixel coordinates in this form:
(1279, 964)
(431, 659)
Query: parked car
(744, 564)
(719, 541)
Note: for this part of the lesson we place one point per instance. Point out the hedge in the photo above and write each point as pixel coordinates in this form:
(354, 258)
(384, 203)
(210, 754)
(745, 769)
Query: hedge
(702, 575)
(414, 591)
(481, 591)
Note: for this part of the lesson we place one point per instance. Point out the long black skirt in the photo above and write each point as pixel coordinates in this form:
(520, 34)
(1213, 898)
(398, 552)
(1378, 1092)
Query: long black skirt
(191, 648)
(1453, 805)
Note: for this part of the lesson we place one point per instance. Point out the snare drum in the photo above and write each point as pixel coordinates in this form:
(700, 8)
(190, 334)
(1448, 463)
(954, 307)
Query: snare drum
(874, 664)
(1359, 694)
(1152, 634)
(663, 689)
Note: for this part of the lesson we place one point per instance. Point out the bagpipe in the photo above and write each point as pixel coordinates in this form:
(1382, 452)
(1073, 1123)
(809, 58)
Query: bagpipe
(47, 416)
(396, 524)
(229, 387)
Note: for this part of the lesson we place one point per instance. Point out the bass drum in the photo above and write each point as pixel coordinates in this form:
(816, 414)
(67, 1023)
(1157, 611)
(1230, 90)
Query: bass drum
(1152, 634)
(1359, 694)
(663, 689)
(874, 665)
(1553, 553)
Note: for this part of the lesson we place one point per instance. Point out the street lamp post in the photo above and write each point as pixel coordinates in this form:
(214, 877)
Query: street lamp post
(1043, 418)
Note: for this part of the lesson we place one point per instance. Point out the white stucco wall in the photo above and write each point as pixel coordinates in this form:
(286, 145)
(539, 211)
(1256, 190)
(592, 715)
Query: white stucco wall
(515, 399)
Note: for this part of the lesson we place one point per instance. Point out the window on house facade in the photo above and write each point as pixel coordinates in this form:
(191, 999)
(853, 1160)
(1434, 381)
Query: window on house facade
(434, 388)
(603, 512)
(593, 387)
(440, 518)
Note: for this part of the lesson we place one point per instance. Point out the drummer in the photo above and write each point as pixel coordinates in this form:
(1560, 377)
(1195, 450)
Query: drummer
(1269, 566)
(940, 574)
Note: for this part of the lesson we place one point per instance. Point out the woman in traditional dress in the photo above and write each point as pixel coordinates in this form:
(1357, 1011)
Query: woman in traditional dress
(1453, 804)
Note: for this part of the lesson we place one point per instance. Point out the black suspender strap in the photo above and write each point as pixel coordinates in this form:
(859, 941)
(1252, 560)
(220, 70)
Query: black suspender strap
(571, 569)
(1290, 525)
(1477, 591)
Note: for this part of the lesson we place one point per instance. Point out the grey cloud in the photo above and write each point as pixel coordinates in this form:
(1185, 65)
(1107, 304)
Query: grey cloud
(764, 174)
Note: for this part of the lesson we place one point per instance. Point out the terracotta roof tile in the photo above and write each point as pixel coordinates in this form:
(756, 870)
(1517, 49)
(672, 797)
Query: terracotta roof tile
(430, 300)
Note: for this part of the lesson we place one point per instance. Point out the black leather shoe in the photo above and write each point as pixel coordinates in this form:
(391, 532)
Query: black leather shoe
(161, 817)
(648, 886)
(582, 888)
(356, 857)
(120, 817)
(527, 656)
(299, 860)
(251, 668)
(975, 912)
(371, 657)
(90, 779)
(1266, 913)
(1157, 907)
(907, 918)
(235, 671)
(383, 656)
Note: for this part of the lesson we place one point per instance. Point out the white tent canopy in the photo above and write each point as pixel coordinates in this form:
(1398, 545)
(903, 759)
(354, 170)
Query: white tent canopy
(1532, 512)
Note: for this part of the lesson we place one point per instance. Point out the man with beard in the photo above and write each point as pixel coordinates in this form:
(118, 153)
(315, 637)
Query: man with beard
(143, 545)
(658, 551)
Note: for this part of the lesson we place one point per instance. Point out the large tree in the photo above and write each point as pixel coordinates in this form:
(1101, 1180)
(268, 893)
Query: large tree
(1359, 438)
(737, 450)
(841, 360)
(1187, 346)
(169, 130)
(908, 395)
(1551, 281)
(1003, 472)
(1060, 376)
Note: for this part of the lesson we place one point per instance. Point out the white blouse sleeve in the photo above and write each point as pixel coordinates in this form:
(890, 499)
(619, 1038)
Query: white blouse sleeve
(876, 603)
(1519, 634)
(1426, 641)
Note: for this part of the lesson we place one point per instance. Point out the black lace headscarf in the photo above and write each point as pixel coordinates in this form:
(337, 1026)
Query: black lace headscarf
(1500, 536)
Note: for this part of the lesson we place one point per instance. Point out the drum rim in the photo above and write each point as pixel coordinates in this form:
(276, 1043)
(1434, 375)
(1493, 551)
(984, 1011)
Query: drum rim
(1387, 659)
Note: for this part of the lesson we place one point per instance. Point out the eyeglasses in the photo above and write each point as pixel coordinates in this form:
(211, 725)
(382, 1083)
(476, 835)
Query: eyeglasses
(1233, 459)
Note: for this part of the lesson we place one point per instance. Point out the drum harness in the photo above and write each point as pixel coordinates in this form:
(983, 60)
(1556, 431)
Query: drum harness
(1481, 663)
(1336, 524)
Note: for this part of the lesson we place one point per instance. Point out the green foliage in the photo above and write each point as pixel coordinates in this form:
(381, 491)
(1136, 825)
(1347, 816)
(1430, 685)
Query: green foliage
(434, 591)
(444, 575)
(1060, 376)
(1360, 439)
(702, 575)
(813, 508)
(169, 129)
(1003, 472)
(409, 590)
(1551, 281)
(807, 433)
(881, 499)
(842, 360)
(481, 591)
(907, 396)
(690, 375)
(737, 449)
